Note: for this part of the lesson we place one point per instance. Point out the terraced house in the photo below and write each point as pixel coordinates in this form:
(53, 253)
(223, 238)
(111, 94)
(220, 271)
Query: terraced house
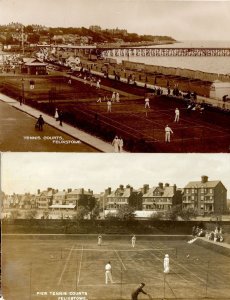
(119, 197)
(161, 198)
(207, 197)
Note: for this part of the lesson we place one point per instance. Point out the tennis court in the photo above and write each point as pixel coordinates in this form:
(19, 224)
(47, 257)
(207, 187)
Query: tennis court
(61, 267)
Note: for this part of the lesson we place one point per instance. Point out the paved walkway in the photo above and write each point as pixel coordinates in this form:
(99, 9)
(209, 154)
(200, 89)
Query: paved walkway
(21, 135)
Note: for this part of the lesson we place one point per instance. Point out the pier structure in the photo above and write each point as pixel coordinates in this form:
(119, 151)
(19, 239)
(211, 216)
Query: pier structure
(104, 51)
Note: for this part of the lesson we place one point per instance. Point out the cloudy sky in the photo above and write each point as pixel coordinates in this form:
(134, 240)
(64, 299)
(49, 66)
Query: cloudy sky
(183, 20)
(27, 172)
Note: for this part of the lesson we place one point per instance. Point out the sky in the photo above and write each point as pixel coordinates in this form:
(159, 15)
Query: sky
(28, 172)
(183, 20)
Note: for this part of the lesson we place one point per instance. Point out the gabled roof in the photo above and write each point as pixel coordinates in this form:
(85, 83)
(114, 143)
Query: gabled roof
(199, 184)
(150, 192)
(124, 193)
(29, 60)
(45, 193)
(60, 193)
(79, 192)
(167, 191)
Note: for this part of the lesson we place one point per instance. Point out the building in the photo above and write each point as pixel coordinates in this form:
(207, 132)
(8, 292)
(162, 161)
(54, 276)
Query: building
(119, 197)
(44, 199)
(207, 197)
(74, 196)
(33, 67)
(161, 198)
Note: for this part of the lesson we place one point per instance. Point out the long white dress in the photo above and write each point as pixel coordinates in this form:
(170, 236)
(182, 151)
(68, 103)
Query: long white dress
(166, 265)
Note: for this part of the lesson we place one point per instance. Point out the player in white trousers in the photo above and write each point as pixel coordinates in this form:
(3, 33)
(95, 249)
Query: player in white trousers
(147, 103)
(133, 241)
(99, 240)
(168, 132)
(166, 264)
(177, 115)
(109, 106)
(108, 273)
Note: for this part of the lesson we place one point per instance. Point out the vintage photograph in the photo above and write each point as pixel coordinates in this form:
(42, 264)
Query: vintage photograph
(115, 76)
(80, 226)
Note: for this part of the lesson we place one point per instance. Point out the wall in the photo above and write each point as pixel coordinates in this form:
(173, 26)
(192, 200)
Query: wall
(193, 74)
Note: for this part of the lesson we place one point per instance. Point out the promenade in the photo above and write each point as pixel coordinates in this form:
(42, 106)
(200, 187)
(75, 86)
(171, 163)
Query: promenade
(17, 123)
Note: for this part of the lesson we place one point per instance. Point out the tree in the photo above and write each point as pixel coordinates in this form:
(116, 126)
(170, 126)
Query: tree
(156, 216)
(188, 213)
(87, 201)
(15, 214)
(173, 213)
(177, 211)
(81, 213)
(135, 200)
(125, 212)
(95, 212)
(31, 214)
(110, 216)
(33, 38)
(29, 29)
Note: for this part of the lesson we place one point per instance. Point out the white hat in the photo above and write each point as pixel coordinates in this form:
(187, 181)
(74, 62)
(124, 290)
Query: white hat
(166, 255)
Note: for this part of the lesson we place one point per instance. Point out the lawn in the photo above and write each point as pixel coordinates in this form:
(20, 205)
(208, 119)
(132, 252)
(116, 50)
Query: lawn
(37, 264)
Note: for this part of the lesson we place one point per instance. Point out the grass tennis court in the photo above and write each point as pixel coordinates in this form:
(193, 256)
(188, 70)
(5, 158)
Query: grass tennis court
(36, 264)
(142, 130)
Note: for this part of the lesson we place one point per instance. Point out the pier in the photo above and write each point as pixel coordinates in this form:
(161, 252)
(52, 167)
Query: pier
(137, 51)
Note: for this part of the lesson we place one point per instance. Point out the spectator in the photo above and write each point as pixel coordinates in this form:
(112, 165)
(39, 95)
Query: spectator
(116, 143)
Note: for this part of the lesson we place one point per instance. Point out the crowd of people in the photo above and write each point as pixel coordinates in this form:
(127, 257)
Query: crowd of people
(215, 235)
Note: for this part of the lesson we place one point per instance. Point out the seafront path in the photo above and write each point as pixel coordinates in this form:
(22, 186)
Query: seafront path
(17, 123)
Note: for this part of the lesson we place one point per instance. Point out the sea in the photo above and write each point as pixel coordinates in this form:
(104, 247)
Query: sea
(213, 64)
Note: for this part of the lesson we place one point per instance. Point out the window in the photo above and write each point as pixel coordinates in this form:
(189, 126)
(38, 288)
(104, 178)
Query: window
(187, 191)
(193, 198)
(210, 191)
(202, 198)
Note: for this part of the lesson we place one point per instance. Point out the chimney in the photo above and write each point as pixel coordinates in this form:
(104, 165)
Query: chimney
(69, 190)
(108, 190)
(204, 179)
(121, 187)
(174, 189)
(166, 184)
(82, 191)
(160, 184)
(39, 191)
(49, 189)
(145, 188)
